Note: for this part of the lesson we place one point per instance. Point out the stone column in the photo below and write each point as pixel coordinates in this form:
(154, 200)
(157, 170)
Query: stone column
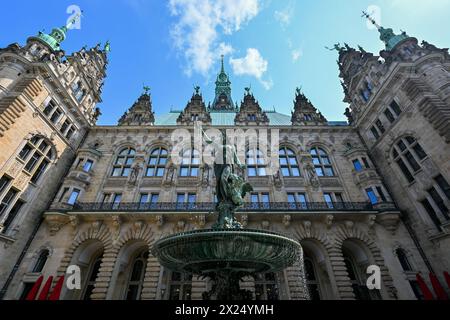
(151, 279)
(344, 286)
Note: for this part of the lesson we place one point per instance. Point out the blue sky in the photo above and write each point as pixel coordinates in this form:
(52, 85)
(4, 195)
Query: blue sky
(272, 45)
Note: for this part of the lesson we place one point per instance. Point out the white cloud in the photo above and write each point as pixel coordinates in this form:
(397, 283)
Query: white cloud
(284, 16)
(296, 54)
(197, 32)
(253, 64)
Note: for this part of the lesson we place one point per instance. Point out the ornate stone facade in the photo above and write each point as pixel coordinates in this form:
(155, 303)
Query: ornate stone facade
(374, 192)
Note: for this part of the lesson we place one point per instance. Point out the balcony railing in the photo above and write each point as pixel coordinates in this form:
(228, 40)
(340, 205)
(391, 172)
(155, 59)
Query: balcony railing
(248, 207)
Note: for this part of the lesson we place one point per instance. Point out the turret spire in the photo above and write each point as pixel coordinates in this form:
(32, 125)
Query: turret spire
(387, 35)
(58, 35)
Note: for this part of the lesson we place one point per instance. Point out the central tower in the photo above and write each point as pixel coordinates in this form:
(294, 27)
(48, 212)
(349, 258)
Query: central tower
(223, 100)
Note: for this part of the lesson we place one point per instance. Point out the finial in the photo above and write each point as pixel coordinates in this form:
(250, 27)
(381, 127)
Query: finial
(371, 19)
(247, 90)
(146, 89)
(73, 20)
(223, 69)
(107, 47)
(197, 90)
(298, 90)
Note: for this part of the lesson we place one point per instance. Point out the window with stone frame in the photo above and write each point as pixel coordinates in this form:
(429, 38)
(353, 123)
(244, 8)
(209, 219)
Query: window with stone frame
(8, 223)
(136, 277)
(157, 162)
(37, 155)
(297, 200)
(403, 259)
(190, 163)
(256, 163)
(260, 200)
(41, 261)
(123, 163)
(288, 163)
(408, 154)
(322, 162)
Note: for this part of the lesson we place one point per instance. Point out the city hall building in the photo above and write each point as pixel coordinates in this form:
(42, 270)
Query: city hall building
(370, 191)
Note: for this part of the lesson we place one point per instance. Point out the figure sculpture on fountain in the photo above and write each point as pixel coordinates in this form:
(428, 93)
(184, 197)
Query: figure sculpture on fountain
(230, 187)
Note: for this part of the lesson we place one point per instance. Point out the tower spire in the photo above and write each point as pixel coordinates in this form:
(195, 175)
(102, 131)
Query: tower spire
(387, 35)
(222, 70)
(58, 35)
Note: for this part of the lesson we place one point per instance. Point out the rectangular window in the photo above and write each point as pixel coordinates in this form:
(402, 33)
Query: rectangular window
(143, 198)
(7, 200)
(88, 166)
(74, 196)
(329, 200)
(56, 115)
(64, 126)
(372, 196)
(389, 115)
(116, 200)
(33, 161)
(443, 184)
(375, 133)
(106, 197)
(63, 194)
(357, 165)
(380, 126)
(405, 170)
(25, 152)
(12, 215)
(381, 194)
(70, 132)
(433, 215)
(339, 197)
(4, 182)
(412, 161)
(40, 171)
(154, 198)
(439, 202)
(49, 108)
(366, 163)
(181, 198)
(396, 108)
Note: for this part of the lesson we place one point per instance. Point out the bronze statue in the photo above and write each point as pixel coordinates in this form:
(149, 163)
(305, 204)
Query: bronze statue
(230, 187)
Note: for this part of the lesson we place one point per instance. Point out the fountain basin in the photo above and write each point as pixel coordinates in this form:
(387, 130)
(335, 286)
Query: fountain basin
(243, 251)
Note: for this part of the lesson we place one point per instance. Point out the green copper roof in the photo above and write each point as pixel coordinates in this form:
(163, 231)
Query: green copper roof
(387, 35)
(227, 119)
(58, 35)
(223, 88)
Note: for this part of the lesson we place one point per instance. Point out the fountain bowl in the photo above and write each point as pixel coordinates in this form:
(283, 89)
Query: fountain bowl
(243, 251)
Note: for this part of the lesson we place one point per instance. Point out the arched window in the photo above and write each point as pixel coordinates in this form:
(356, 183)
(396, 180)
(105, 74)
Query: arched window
(136, 279)
(256, 163)
(311, 279)
(41, 261)
(157, 163)
(403, 259)
(190, 163)
(37, 155)
(407, 153)
(322, 162)
(289, 163)
(92, 276)
(124, 161)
